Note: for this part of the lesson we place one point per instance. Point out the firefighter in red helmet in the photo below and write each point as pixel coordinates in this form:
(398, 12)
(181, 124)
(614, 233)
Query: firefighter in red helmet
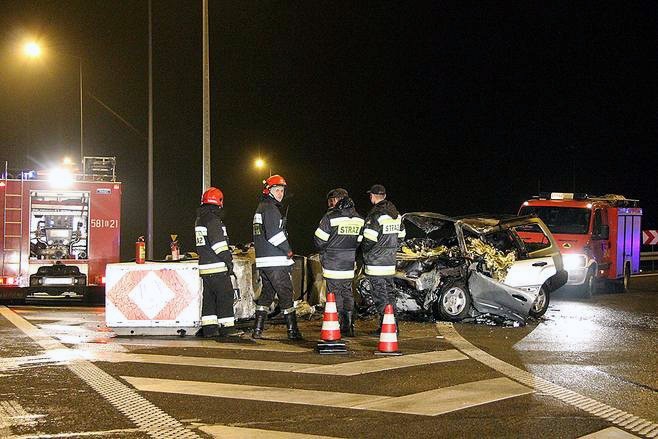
(273, 257)
(215, 266)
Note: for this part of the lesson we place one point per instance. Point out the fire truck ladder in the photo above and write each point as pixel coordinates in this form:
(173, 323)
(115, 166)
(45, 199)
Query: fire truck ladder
(11, 236)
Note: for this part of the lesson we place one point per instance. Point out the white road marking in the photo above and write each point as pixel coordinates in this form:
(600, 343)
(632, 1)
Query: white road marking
(381, 364)
(212, 344)
(429, 403)
(143, 413)
(105, 433)
(609, 433)
(590, 405)
(449, 399)
(224, 431)
(229, 363)
(344, 369)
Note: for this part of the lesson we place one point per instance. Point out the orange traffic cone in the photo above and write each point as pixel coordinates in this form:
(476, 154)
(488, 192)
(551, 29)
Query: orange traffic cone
(388, 338)
(330, 333)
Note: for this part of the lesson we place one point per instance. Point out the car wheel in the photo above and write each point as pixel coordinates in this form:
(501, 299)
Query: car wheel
(540, 305)
(455, 302)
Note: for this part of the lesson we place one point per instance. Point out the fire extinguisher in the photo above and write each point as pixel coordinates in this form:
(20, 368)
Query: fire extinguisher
(140, 251)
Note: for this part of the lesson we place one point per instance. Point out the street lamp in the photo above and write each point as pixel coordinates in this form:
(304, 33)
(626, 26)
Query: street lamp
(259, 163)
(32, 49)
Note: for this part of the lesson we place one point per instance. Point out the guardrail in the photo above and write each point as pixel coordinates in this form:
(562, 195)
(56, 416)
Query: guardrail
(649, 256)
(648, 261)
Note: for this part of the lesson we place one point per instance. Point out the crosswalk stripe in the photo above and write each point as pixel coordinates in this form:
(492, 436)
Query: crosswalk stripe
(275, 346)
(380, 364)
(450, 399)
(223, 431)
(428, 403)
(229, 363)
(343, 369)
(255, 393)
(609, 433)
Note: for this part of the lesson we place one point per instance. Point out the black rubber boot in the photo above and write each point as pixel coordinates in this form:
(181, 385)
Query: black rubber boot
(291, 324)
(210, 331)
(230, 331)
(259, 324)
(349, 324)
(344, 323)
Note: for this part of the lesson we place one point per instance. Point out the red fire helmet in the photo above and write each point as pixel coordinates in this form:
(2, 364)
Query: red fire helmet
(213, 196)
(273, 180)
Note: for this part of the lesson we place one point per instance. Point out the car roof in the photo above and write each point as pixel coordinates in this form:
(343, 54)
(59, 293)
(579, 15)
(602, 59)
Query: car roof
(480, 223)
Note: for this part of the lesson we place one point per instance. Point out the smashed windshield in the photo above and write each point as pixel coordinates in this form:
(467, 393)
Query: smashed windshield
(571, 220)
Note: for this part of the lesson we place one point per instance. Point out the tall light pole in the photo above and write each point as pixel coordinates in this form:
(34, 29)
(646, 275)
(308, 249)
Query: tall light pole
(205, 157)
(32, 49)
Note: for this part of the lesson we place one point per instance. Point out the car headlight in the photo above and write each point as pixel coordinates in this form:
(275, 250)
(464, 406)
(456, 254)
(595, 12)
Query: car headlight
(571, 262)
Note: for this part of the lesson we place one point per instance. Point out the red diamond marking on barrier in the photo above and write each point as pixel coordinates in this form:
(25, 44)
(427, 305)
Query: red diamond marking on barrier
(183, 295)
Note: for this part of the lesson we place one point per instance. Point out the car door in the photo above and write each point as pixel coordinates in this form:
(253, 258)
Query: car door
(536, 258)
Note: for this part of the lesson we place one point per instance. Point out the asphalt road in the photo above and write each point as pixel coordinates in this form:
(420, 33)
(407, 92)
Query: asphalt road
(588, 368)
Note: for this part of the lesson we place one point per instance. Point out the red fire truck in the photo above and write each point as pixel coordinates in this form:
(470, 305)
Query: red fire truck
(599, 237)
(59, 230)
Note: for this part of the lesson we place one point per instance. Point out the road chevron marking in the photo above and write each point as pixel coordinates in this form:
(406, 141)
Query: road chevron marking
(351, 368)
(429, 403)
(149, 418)
(621, 418)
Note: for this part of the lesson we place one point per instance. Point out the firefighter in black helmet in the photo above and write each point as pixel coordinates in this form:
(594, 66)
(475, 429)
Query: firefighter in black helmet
(215, 266)
(273, 258)
(337, 237)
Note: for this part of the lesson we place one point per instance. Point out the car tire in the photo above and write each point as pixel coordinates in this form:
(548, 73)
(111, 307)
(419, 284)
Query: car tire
(455, 302)
(542, 301)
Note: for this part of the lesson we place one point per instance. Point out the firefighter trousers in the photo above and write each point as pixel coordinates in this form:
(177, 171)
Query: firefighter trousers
(276, 283)
(382, 292)
(217, 305)
(342, 288)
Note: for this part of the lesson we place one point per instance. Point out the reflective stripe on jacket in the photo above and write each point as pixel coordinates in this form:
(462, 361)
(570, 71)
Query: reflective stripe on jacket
(381, 232)
(337, 237)
(270, 236)
(212, 241)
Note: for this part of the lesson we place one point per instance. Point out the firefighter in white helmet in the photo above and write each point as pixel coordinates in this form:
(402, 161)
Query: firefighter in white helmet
(273, 257)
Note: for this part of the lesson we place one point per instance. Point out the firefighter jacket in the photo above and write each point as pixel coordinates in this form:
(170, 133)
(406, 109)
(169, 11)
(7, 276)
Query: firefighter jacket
(337, 237)
(270, 236)
(212, 241)
(383, 227)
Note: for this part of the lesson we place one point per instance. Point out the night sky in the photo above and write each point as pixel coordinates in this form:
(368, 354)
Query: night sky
(455, 107)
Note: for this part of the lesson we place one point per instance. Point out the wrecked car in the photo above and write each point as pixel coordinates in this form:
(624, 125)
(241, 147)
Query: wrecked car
(454, 268)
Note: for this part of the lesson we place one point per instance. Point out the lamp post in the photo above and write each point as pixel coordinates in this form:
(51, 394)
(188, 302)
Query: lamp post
(32, 49)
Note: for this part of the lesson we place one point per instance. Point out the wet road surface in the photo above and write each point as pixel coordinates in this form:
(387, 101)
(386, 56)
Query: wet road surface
(588, 368)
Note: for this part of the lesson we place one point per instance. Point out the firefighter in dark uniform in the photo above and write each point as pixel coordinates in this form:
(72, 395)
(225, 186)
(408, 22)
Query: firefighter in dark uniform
(383, 227)
(337, 237)
(273, 258)
(215, 266)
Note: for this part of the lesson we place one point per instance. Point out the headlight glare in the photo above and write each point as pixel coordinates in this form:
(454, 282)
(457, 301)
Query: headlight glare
(572, 262)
